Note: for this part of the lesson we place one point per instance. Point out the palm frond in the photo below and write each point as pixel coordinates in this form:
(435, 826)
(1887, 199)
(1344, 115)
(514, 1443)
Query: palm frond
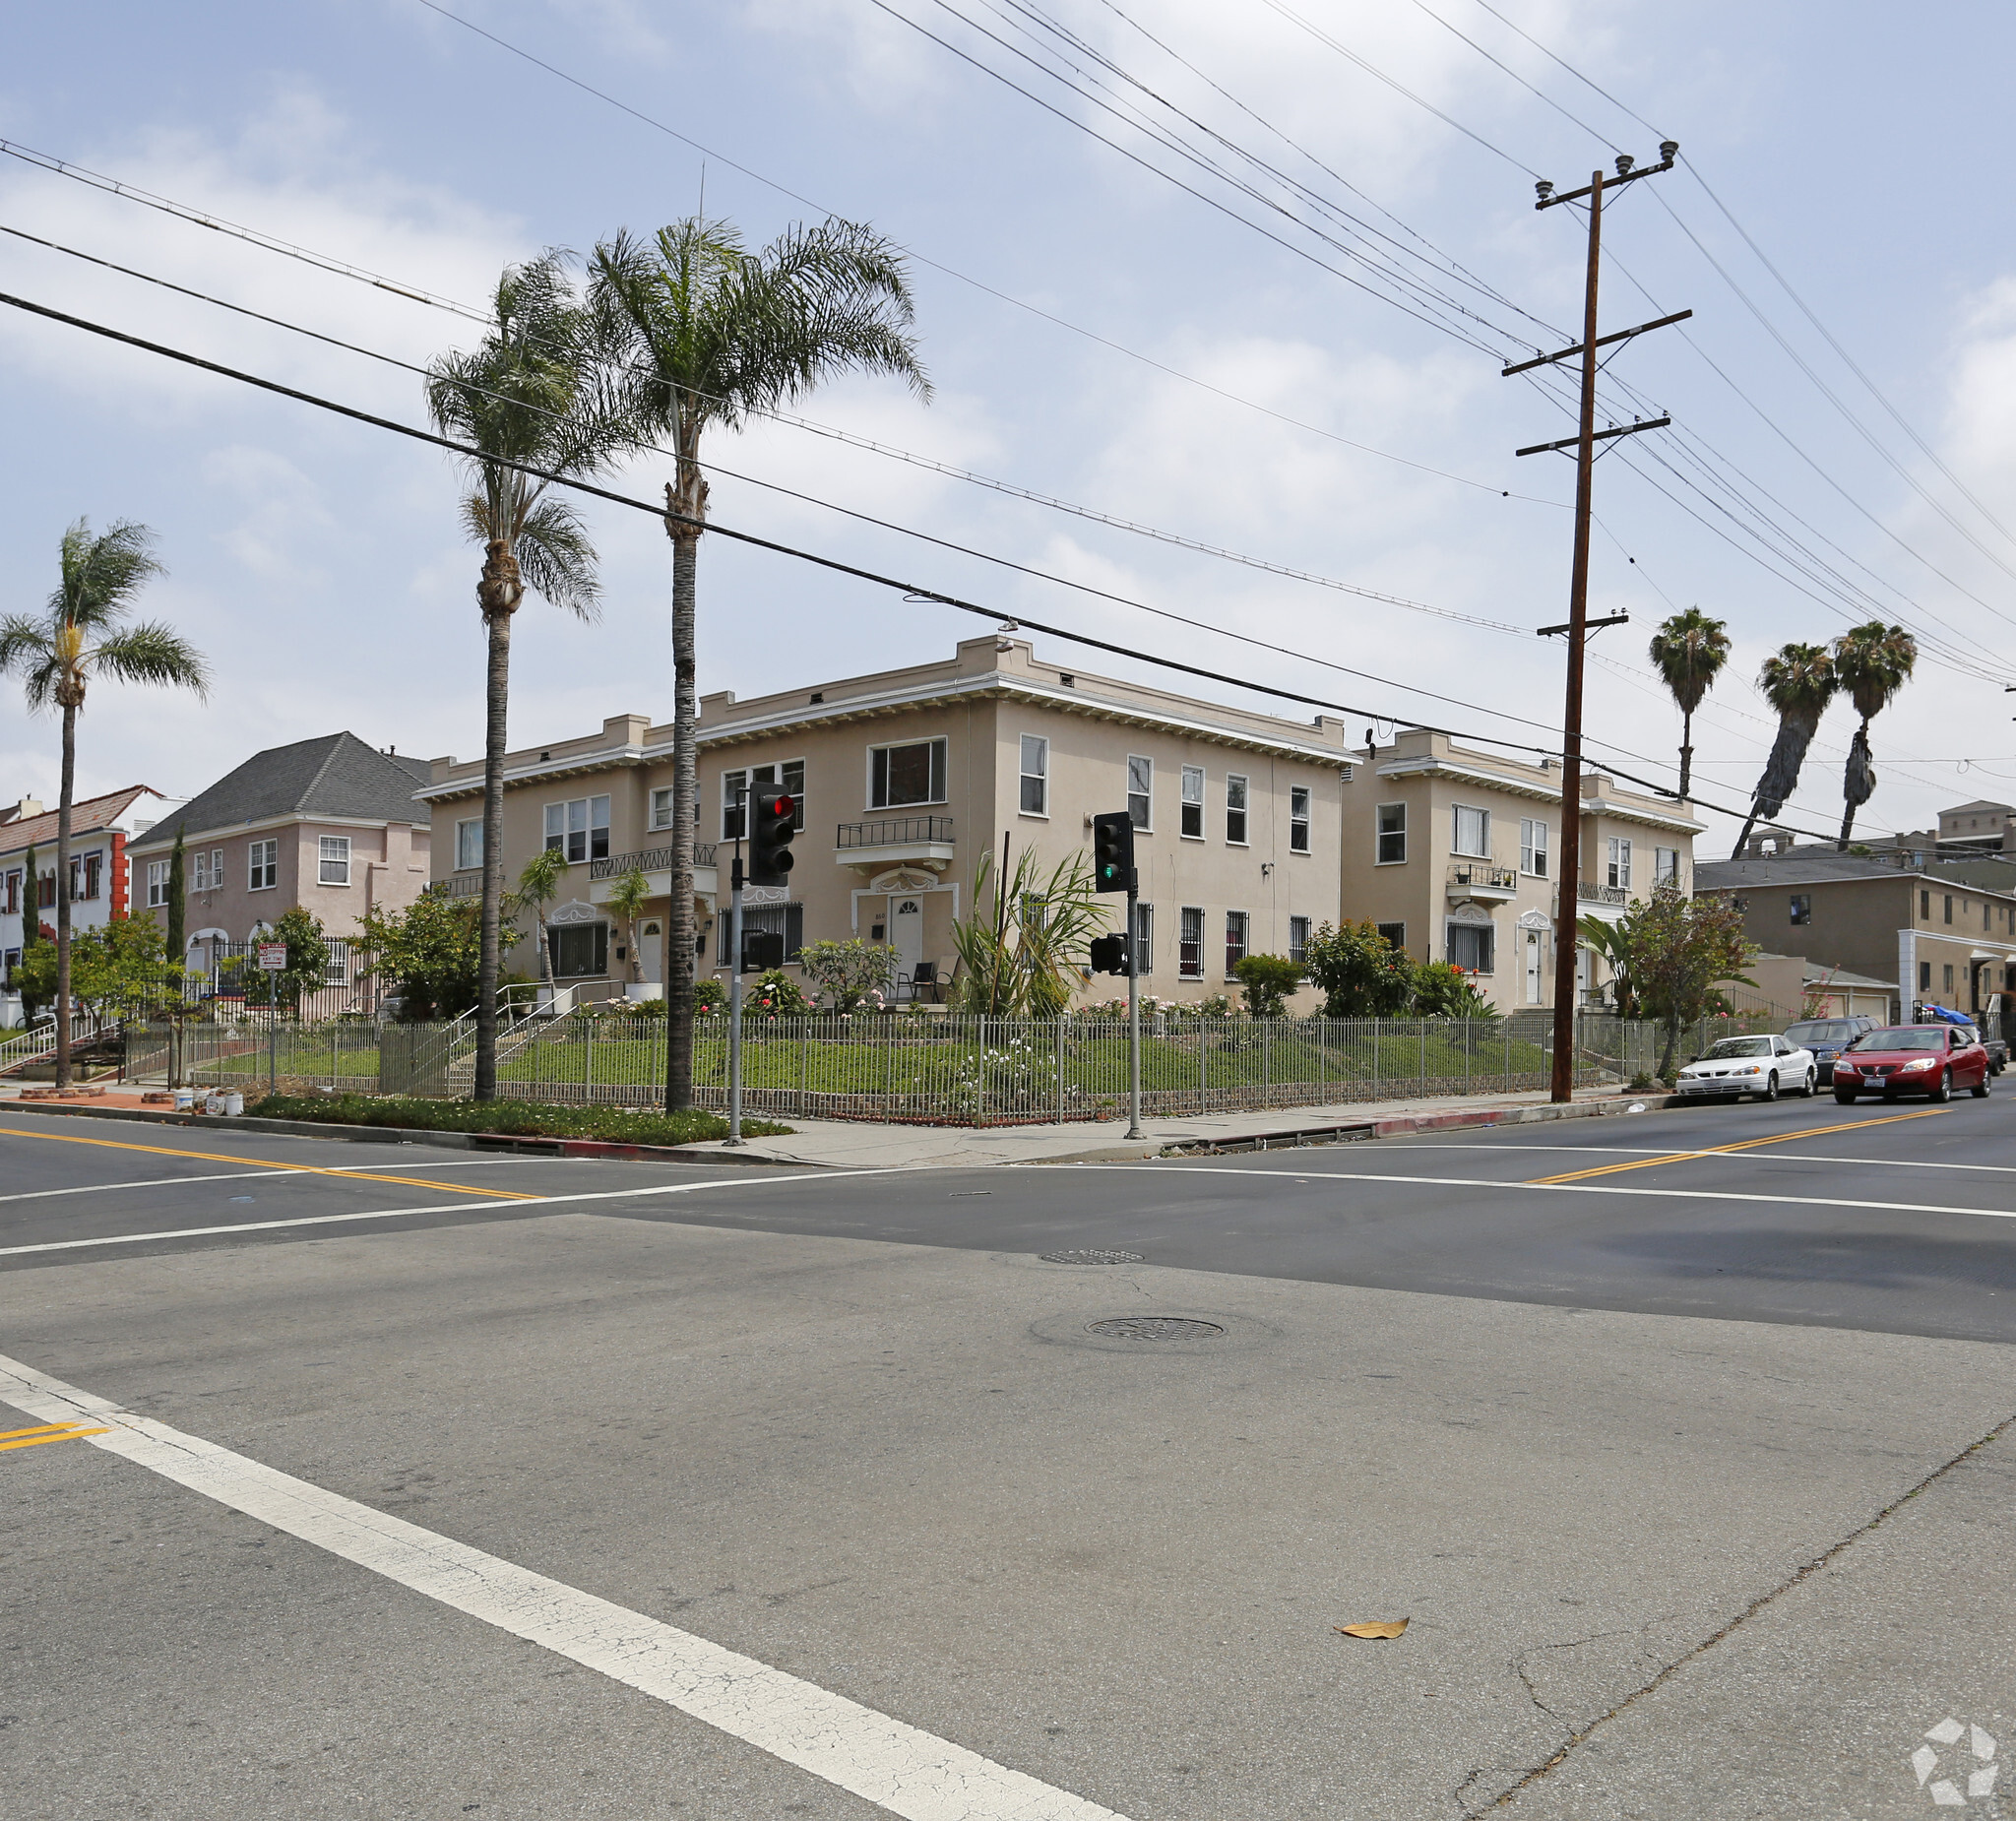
(151, 654)
(101, 575)
(555, 557)
(27, 651)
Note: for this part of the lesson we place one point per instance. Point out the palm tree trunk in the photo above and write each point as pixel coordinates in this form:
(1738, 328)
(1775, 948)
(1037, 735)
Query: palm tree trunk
(496, 703)
(1744, 840)
(1686, 748)
(680, 952)
(1858, 784)
(63, 807)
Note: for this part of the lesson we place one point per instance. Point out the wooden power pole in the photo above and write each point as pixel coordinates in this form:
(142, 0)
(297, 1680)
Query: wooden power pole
(1577, 629)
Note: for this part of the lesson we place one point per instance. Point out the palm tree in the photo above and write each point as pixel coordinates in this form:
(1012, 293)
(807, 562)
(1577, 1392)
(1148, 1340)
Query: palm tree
(79, 635)
(531, 392)
(1798, 682)
(1689, 650)
(712, 332)
(1872, 664)
(626, 900)
(538, 884)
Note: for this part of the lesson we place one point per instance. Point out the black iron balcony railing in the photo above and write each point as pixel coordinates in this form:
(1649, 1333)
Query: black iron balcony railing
(900, 832)
(1482, 875)
(462, 885)
(647, 860)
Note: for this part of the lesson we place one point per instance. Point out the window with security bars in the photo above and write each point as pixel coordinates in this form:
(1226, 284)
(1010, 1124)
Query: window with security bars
(1236, 925)
(1193, 802)
(786, 920)
(333, 860)
(1395, 933)
(1190, 943)
(580, 951)
(1299, 799)
(1299, 939)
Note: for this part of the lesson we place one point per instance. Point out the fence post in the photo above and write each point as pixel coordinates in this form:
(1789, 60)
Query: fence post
(805, 1063)
(1267, 1062)
(588, 1062)
(1424, 1058)
(979, 1115)
(334, 1058)
(1060, 1068)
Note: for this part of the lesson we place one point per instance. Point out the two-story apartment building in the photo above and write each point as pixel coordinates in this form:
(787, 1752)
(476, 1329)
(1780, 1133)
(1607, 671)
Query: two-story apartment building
(1452, 852)
(102, 830)
(328, 824)
(904, 778)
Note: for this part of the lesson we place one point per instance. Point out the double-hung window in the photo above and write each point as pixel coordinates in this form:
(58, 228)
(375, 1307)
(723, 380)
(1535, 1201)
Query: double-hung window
(1036, 774)
(1193, 802)
(10, 898)
(1665, 866)
(94, 871)
(262, 866)
(1299, 939)
(1298, 818)
(1532, 847)
(1236, 924)
(469, 844)
(1470, 831)
(1620, 864)
(333, 860)
(1140, 789)
(662, 808)
(579, 830)
(736, 787)
(199, 874)
(1190, 942)
(45, 891)
(1234, 810)
(1392, 834)
(901, 775)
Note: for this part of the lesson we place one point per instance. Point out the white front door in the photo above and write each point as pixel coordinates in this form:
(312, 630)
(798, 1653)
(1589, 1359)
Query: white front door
(651, 937)
(907, 932)
(1533, 966)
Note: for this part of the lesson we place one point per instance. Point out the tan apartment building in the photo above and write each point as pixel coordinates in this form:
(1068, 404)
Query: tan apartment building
(1452, 852)
(1942, 938)
(905, 779)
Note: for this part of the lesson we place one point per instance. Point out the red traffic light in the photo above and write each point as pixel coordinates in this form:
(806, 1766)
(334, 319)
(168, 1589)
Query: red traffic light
(781, 807)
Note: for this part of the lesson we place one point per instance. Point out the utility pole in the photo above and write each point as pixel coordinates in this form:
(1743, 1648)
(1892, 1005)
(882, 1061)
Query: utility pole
(1577, 628)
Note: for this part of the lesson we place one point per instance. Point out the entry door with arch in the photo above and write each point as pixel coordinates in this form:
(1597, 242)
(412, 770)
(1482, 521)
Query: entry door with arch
(1535, 951)
(906, 930)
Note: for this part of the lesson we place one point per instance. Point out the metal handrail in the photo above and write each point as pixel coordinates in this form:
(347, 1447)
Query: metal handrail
(1591, 892)
(647, 860)
(893, 831)
(1482, 872)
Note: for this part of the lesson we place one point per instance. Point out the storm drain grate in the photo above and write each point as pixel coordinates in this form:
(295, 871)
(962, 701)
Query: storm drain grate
(1090, 1258)
(1156, 1328)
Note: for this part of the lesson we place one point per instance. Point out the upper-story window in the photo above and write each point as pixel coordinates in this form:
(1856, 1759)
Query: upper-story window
(912, 773)
(157, 884)
(1802, 906)
(661, 802)
(1665, 866)
(579, 830)
(1532, 847)
(736, 787)
(1036, 774)
(1619, 864)
(262, 866)
(469, 844)
(1392, 834)
(207, 871)
(1234, 810)
(333, 860)
(1193, 803)
(45, 891)
(10, 895)
(1470, 831)
(1298, 799)
(1141, 791)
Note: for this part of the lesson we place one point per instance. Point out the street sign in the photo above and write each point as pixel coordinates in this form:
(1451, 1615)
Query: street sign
(272, 957)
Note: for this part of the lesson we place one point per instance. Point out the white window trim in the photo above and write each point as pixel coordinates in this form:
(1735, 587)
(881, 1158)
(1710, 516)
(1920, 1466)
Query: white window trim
(1528, 848)
(868, 775)
(1245, 811)
(1379, 833)
(1306, 822)
(1148, 827)
(670, 792)
(253, 848)
(1186, 801)
(323, 858)
(1203, 939)
(1456, 813)
(476, 823)
(586, 831)
(1022, 777)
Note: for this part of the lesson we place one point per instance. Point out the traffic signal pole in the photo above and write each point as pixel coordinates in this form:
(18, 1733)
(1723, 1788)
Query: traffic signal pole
(1134, 1130)
(735, 1136)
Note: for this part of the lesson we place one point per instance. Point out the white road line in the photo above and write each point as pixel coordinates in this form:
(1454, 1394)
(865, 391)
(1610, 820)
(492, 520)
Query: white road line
(155, 1182)
(754, 1180)
(899, 1767)
(1554, 1188)
(1734, 1156)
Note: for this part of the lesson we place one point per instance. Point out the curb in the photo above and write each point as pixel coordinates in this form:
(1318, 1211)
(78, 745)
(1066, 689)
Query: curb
(408, 1135)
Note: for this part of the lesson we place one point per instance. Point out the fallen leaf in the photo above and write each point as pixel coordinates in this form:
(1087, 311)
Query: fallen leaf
(1375, 1628)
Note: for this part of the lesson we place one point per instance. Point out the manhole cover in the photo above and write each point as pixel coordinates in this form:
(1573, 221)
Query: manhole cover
(1156, 1328)
(1090, 1258)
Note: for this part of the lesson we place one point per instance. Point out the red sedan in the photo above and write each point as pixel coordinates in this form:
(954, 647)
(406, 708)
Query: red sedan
(1928, 1059)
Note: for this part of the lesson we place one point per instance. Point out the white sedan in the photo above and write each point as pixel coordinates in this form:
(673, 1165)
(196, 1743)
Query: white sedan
(1766, 1066)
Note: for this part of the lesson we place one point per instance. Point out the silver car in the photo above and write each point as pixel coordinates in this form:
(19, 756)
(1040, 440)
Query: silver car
(1766, 1066)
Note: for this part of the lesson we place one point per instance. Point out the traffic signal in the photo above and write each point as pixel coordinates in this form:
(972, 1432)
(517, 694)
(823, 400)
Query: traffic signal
(1110, 954)
(1113, 852)
(769, 841)
(762, 949)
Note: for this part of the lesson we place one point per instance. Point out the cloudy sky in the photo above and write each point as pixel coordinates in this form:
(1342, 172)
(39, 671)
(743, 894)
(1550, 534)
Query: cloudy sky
(1200, 361)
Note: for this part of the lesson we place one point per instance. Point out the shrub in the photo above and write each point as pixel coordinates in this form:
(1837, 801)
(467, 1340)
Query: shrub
(848, 973)
(513, 1118)
(1267, 980)
(710, 995)
(773, 995)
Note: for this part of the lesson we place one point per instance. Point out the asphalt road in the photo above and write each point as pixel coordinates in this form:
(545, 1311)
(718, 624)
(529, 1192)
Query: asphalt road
(1686, 1464)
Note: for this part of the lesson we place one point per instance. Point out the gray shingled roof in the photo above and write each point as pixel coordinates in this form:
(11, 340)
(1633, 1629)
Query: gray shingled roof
(1822, 866)
(337, 775)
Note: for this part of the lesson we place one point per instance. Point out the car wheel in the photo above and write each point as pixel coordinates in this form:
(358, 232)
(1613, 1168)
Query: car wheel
(1981, 1092)
(1812, 1086)
(1944, 1091)
(1842, 1098)
(1770, 1090)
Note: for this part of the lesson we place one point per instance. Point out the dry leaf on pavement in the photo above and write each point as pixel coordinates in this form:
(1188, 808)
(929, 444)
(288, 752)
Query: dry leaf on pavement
(1375, 1628)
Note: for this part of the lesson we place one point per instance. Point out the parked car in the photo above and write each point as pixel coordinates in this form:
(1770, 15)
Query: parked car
(1765, 1066)
(1827, 1038)
(1928, 1059)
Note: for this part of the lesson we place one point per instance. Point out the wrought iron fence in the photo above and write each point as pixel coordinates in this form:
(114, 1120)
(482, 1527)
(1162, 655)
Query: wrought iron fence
(955, 1070)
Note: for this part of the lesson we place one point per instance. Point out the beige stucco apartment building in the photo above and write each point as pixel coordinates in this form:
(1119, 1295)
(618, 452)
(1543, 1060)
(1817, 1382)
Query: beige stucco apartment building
(905, 779)
(1453, 852)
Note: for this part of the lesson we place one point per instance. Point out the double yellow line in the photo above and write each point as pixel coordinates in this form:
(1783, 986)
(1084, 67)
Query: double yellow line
(1747, 1144)
(45, 1432)
(299, 1169)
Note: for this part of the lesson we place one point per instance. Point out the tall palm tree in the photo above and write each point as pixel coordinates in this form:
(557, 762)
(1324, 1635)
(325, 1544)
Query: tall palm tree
(77, 636)
(530, 393)
(1872, 664)
(710, 333)
(1798, 682)
(1689, 650)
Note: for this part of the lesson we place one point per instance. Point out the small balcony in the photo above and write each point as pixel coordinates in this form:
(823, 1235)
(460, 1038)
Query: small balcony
(655, 864)
(1605, 902)
(896, 841)
(1480, 880)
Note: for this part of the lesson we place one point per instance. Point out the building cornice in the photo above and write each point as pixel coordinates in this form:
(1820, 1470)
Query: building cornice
(198, 838)
(987, 685)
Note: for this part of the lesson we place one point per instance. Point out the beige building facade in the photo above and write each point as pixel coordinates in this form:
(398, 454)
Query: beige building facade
(1454, 854)
(904, 778)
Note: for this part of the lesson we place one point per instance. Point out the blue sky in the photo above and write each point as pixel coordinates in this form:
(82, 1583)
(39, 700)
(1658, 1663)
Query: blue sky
(321, 566)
